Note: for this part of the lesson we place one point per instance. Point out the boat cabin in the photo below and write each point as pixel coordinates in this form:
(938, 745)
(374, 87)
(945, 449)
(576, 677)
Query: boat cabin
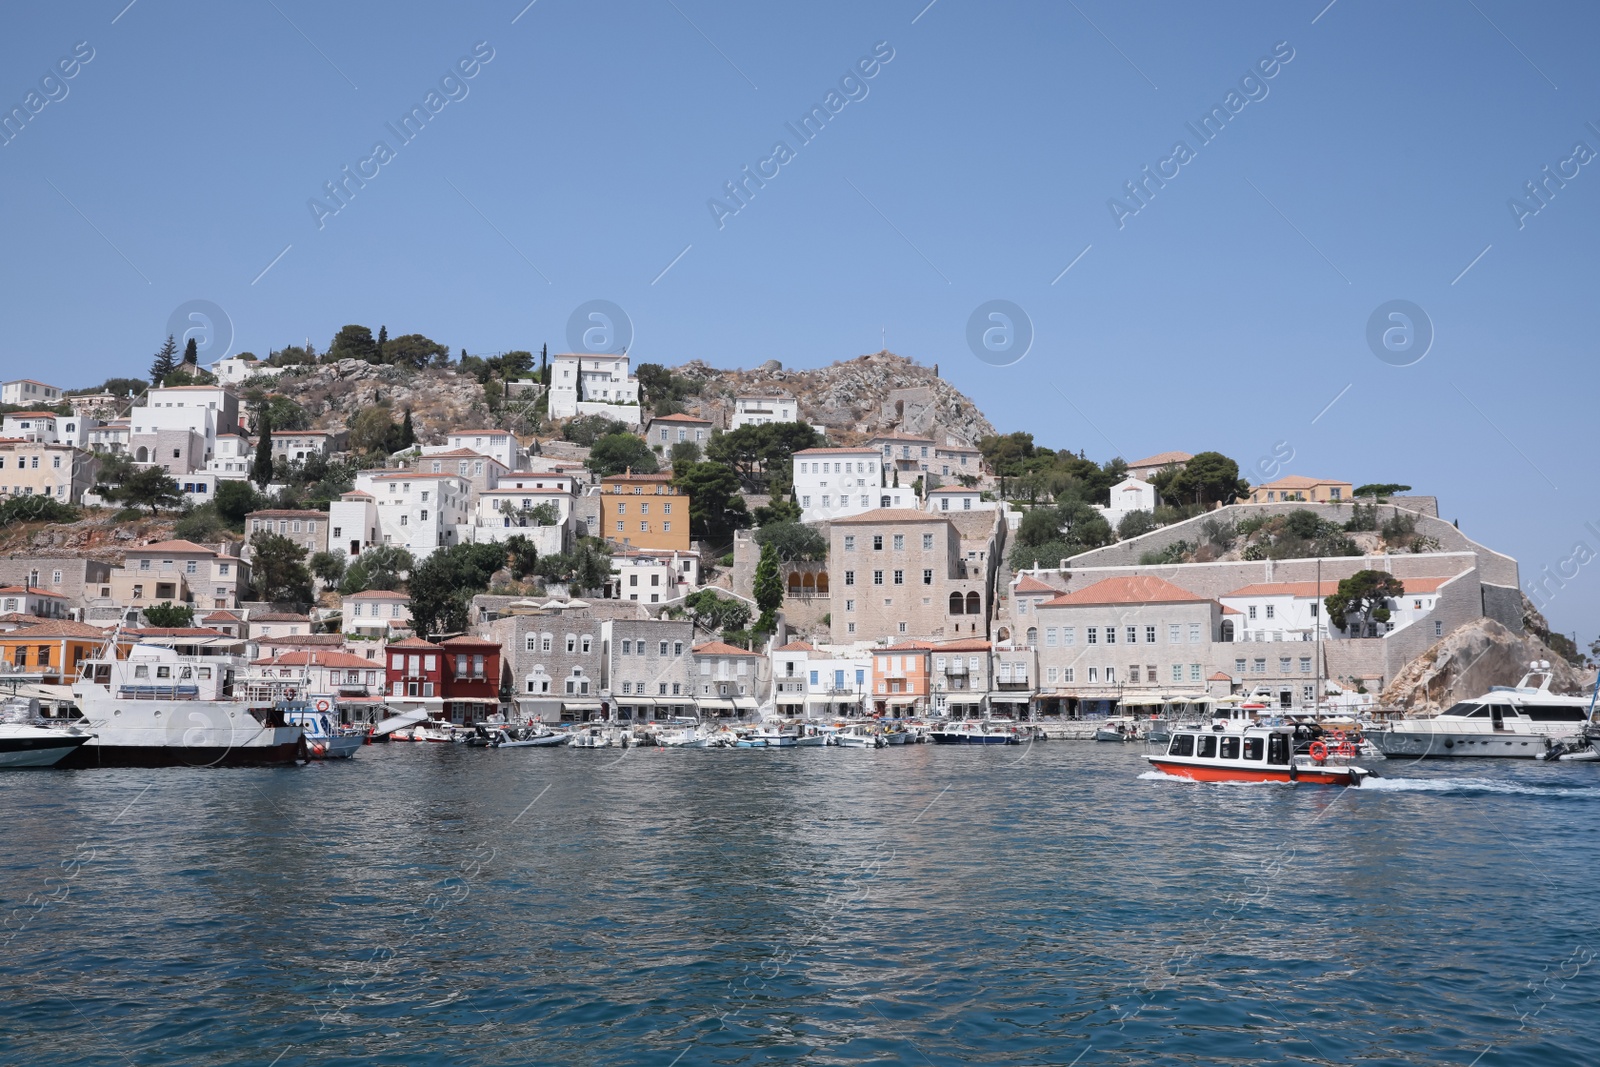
(1262, 746)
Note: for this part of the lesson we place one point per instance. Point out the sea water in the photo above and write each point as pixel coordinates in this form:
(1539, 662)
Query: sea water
(1050, 904)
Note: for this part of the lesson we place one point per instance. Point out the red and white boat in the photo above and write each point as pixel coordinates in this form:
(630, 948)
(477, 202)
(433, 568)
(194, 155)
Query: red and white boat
(1257, 754)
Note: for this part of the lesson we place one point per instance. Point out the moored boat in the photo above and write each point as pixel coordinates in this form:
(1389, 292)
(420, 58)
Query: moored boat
(324, 740)
(982, 732)
(1522, 721)
(30, 745)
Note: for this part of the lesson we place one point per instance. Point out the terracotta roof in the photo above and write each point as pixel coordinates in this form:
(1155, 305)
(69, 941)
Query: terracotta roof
(971, 644)
(319, 659)
(1231, 611)
(414, 476)
(15, 589)
(631, 477)
(221, 616)
(679, 417)
(837, 452)
(949, 489)
(379, 594)
(34, 415)
(1139, 589)
(177, 631)
(1030, 584)
(173, 546)
(302, 641)
(795, 646)
(891, 516)
(721, 648)
(465, 641)
(355, 494)
(288, 513)
(1161, 459)
(413, 642)
(458, 453)
(56, 628)
(29, 381)
(481, 433)
(1220, 677)
(1329, 587)
(280, 616)
(19, 619)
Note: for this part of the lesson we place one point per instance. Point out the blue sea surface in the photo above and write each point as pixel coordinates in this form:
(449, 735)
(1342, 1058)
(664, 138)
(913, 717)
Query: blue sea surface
(1054, 904)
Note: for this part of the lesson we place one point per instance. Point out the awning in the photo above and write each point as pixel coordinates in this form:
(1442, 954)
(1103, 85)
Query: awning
(746, 703)
(901, 702)
(1141, 701)
(581, 705)
(716, 705)
(637, 702)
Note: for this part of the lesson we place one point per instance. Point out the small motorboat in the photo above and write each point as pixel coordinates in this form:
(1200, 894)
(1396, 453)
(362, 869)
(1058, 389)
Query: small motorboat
(1117, 729)
(975, 733)
(599, 735)
(858, 735)
(814, 736)
(1584, 748)
(534, 735)
(324, 740)
(29, 745)
(432, 731)
(1257, 754)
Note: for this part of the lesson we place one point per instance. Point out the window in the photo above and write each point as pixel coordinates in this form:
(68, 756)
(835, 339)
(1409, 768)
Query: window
(899, 577)
(849, 605)
(899, 542)
(1194, 672)
(877, 577)
(1069, 635)
(1305, 664)
(586, 639)
(1133, 635)
(1149, 672)
(1174, 633)
(1238, 666)
(1269, 610)
(927, 542)
(1149, 635)
(1094, 674)
(849, 542)
(1177, 672)
(1251, 611)
(1438, 628)
(1283, 664)
(1050, 637)
(1258, 666)
(877, 542)
(1091, 634)
(1194, 633)
(544, 643)
(849, 577)
(663, 651)
(1111, 635)
(927, 577)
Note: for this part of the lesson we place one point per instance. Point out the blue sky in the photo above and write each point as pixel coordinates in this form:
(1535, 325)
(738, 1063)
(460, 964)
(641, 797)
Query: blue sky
(1226, 313)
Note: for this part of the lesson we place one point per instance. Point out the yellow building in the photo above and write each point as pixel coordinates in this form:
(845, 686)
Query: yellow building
(54, 650)
(644, 511)
(1299, 487)
(39, 468)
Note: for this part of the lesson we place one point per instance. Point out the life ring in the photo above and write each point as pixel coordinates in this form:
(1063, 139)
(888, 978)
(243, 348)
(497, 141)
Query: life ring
(1346, 749)
(1319, 751)
(289, 693)
(322, 704)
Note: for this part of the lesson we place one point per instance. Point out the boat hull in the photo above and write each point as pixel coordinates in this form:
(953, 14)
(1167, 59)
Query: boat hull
(972, 739)
(1210, 773)
(40, 751)
(1441, 744)
(92, 755)
(341, 747)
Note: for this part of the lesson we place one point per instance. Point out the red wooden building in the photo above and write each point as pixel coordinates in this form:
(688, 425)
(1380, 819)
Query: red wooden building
(471, 678)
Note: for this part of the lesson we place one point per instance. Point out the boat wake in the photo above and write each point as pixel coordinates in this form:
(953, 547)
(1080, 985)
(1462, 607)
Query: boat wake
(1158, 776)
(1473, 785)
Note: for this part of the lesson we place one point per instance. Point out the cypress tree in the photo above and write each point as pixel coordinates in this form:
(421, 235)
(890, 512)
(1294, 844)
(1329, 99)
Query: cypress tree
(261, 469)
(191, 353)
(383, 339)
(768, 587)
(408, 435)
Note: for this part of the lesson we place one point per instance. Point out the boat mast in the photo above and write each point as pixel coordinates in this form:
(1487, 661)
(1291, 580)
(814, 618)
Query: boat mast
(1316, 700)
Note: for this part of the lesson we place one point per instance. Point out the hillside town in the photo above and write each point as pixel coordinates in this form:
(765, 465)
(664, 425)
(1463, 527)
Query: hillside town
(579, 539)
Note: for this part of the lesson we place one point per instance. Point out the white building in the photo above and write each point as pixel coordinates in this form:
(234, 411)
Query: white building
(110, 437)
(1293, 611)
(943, 500)
(501, 514)
(236, 369)
(232, 458)
(728, 680)
(760, 410)
(832, 483)
(29, 391)
(1128, 496)
(160, 425)
(353, 524)
(654, 576)
(583, 384)
(496, 444)
(376, 613)
(818, 684)
(418, 512)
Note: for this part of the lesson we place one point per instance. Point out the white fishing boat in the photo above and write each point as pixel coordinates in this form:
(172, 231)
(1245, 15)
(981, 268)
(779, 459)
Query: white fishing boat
(1508, 722)
(160, 708)
(978, 732)
(685, 737)
(430, 731)
(858, 735)
(324, 740)
(814, 736)
(599, 735)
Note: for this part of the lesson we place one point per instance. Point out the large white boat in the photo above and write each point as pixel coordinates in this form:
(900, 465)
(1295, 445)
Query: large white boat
(1509, 722)
(161, 708)
(31, 745)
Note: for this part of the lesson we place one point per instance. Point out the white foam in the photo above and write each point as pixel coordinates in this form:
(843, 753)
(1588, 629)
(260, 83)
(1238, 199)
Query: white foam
(1472, 785)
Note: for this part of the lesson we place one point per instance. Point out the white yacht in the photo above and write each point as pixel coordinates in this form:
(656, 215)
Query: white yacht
(1515, 722)
(162, 708)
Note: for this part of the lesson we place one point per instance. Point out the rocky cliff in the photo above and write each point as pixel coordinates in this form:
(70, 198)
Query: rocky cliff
(1472, 658)
(440, 400)
(850, 400)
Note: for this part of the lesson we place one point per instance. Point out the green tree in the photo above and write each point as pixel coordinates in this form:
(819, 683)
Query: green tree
(124, 387)
(278, 569)
(408, 432)
(151, 488)
(544, 364)
(166, 361)
(716, 507)
(768, 588)
(115, 468)
(1363, 597)
(379, 567)
(792, 541)
(684, 452)
(1381, 490)
(1135, 523)
(617, 452)
(521, 555)
(1007, 454)
(168, 615)
(200, 524)
(587, 429)
(715, 613)
(373, 431)
(586, 567)
(235, 500)
(353, 342)
(416, 352)
(443, 585)
(261, 468)
(778, 510)
(1208, 478)
(383, 343)
(762, 455)
(328, 566)
(21, 509)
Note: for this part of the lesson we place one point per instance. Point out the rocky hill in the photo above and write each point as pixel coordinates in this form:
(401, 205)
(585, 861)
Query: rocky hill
(333, 394)
(850, 400)
(1472, 658)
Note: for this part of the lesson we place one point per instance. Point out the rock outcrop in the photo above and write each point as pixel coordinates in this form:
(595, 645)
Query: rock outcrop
(439, 399)
(1470, 659)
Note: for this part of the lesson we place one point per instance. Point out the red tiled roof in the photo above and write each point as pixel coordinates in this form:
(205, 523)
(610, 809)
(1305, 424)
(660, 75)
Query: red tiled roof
(280, 616)
(319, 659)
(173, 546)
(1030, 584)
(721, 648)
(837, 451)
(413, 642)
(482, 433)
(177, 631)
(379, 594)
(458, 453)
(1299, 481)
(891, 516)
(33, 415)
(1220, 677)
(795, 646)
(1139, 589)
(970, 644)
(18, 589)
(679, 417)
(55, 628)
(465, 641)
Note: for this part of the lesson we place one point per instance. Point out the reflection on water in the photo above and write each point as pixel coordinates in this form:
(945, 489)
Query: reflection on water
(431, 904)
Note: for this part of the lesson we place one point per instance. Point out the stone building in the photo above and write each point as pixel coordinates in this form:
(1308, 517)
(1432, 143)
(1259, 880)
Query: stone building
(903, 574)
(647, 668)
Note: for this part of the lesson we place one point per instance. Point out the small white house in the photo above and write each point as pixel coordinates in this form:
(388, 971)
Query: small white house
(584, 384)
(376, 613)
(29, 391)
(834, 483)
(760, 410)
(236, 369)
(943, 500)
(654, 576)
(1128, 496)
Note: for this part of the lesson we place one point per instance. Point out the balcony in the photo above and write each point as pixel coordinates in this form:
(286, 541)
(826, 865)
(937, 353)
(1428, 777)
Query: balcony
(956, 668)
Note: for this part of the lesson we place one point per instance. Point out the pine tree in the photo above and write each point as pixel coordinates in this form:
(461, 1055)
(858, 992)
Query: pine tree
(383, 339)
(408, 434)
(261, 469)
(166, 361)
